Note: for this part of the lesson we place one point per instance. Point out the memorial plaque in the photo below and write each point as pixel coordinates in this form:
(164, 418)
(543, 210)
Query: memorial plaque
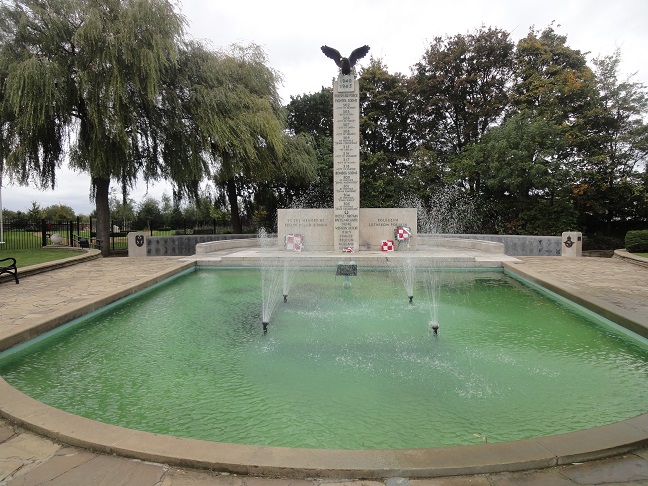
(314, 225)
(346, 162)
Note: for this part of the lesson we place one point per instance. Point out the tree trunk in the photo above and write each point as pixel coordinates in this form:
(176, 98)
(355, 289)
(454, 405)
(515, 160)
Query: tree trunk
(103, 214)
(232, 197)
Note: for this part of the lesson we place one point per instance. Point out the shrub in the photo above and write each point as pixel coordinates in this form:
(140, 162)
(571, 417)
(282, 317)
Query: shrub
(637, 241)
(602, 242)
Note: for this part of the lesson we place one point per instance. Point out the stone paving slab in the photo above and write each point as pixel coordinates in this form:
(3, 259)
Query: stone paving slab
(38, 461)
(100, 471)
(23, 453)
(44, 301)
(617, 282)
(611, 287)
(57, 466)
(627, 468)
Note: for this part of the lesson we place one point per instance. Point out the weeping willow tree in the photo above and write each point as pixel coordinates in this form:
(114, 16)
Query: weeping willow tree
(114, 88)
(249, 144)
(81, 80)
(256, 114)
(231, 124)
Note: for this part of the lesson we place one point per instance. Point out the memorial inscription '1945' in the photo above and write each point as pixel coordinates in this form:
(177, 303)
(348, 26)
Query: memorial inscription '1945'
(346, 162)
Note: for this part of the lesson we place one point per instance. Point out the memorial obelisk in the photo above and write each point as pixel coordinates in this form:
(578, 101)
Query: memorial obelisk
(346, 150)
(347, 227)
(346, 162)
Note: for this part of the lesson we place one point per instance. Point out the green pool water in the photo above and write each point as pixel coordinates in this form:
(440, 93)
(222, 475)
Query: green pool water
(354, 368)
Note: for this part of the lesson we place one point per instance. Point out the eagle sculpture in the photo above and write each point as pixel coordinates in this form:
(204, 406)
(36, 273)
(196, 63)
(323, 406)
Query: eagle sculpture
(345, 63)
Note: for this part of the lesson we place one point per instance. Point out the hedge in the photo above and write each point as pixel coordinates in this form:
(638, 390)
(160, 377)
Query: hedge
(637, 241)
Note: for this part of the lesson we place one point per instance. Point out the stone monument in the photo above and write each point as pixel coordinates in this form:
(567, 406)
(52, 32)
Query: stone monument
(346, 163)
(347, 227)
(572, 244)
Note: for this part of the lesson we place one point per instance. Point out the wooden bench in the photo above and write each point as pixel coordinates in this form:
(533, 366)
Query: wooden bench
(9, 268)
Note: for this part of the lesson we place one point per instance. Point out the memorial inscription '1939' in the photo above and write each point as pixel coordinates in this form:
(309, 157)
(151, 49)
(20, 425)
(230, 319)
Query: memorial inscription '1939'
(346, 162)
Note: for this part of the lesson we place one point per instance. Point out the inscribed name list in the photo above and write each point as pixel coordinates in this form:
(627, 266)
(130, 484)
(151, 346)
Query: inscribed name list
(346, 162)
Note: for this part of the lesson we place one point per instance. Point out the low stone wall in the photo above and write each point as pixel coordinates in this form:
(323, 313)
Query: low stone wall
(626, 256)
(512, 245)
(210, 246)
(185, 245)
(427, 242)
(517, 245)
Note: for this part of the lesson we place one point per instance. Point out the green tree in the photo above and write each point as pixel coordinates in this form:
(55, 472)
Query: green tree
(522, 171)
(611, 187)
(149, 216)
(551, 77)
(89, 74)
(58, 212)
(35, 213)
(236, 133)
(554, 82)
(526, 164)
(312, 114)
(459, 90)
(424, 177)
(264, 152)
(201, 212)
(386, 139)
(120, 211)
(167, 209)
(385, 117)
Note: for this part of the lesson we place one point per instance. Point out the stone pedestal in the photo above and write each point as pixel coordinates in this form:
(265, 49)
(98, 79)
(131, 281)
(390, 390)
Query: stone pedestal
(136, 244)
(315, 226)
(572, 244)
(375, 225)
(346, 163)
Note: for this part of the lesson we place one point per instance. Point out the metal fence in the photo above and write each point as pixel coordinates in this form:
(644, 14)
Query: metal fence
(22, 234)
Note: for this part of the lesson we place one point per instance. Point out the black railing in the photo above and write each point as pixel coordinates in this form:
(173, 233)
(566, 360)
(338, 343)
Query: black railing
(21, 234)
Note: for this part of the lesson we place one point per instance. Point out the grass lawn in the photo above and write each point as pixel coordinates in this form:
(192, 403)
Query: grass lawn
(645, 255)
(25, 258)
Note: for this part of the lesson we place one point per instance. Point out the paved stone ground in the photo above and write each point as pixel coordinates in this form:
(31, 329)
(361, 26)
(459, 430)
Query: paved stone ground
(37, 297)
(27, 459)
(612, 281)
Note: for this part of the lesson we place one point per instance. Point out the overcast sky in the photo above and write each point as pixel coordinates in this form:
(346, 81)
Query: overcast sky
(398, 32)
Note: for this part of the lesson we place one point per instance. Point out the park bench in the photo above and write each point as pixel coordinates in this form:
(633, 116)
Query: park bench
(9, 268)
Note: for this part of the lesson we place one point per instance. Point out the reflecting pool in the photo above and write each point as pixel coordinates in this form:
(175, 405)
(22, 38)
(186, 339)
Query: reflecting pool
(355, 368)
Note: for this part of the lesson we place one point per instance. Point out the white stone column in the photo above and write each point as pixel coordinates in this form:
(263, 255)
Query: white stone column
(346, 162)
